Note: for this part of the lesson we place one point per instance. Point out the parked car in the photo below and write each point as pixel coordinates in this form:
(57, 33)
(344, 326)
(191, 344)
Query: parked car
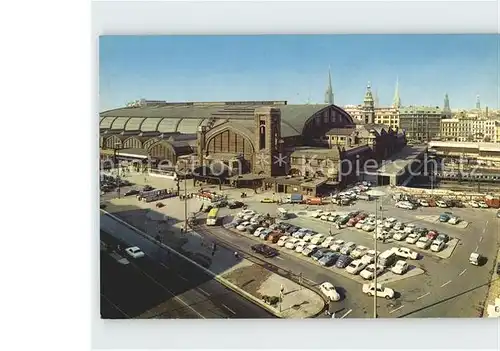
(432, 234)
(400, 236)
(413, 238)
(359, 251)
(483, 204)
(405, 253)
(347, 248)
(337, 245)
(368, 227)
(424, 242)
(131, 192)
(405, 205)
(356, 266)
(445, 217)
(309, 250)
(282, 240)
(328, 241)
(300, 246)
(401, 267)
(424, 203)
(443, 237)
(369, 272)
(369, 257)
(267, 200)
(399, 226)
(134, 252)
(343, 261)
(437, 245)
(473, 204)
(441, 204)
(381, 291)
(329, 259)
(317, 239)
(265, 250)
(292, 243)
(329, 291)
(320, 252)
(235, 204)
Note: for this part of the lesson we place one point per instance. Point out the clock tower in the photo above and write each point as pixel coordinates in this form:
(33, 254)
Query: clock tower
(267, 140)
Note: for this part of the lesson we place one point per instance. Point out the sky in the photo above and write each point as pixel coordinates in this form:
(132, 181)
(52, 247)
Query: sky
(295, 68)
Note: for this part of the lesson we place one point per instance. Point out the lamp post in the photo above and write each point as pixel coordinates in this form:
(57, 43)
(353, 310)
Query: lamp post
(116, 148)
(376, 194)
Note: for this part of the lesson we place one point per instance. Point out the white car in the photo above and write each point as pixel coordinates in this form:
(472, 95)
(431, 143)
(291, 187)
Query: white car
(324, 217)
(359, 252)
(369, 289)
(329, 291)
(369, 272)
(399, 226)
(412, 238)
(332, 218)
(424, 242)
(424, 203)
(309, 249)
(405, 253)
(454, 220)
(441, 204)
(400, 236)
(317, 213)
(360, 224)
(282, 240)
(369, 257)
(368, 227)
(384, 235)
(409, 228)
(317, 239)
(134, 252)
(328, 241)
(308, 236)
(300, 246)
(405, 205)
(483, 204)
(259, 231)
(347, 248)
(473, 204)
(437, 245)
(390, 222)
(401, 267)
(337, 245)
(356, 266)
(292, 243)
(243, 226)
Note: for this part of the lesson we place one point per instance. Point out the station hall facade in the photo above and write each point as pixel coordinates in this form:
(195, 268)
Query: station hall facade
(268, 144)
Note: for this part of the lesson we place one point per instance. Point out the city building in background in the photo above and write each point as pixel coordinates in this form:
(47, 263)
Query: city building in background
(421, 123)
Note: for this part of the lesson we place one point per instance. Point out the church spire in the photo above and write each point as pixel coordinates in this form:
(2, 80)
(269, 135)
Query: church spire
(396, 102)
(329, 89)
(446, 107)
(478, 103)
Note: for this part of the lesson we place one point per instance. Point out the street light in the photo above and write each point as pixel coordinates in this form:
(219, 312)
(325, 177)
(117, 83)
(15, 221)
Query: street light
(376, 194)
(116, 148)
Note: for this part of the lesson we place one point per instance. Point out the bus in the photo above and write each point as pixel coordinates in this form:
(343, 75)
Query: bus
(213, 217)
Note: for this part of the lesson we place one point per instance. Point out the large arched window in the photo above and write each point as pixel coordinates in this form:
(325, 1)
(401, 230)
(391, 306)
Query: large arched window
(228, 141)
(163, 151)
(113, 142)
(132, 143)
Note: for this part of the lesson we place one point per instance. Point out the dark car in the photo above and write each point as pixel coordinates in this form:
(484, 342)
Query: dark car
(421, 231)
(329, 259)
(443, 237)
(455, 203)
(147, 188)
(265, 250)
(291, 229)
(131, 192)
(236, 204)
(498, 268)
(320, 253)
(343, 261)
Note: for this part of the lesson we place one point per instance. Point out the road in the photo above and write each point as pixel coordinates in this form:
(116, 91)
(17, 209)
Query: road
(171, 286)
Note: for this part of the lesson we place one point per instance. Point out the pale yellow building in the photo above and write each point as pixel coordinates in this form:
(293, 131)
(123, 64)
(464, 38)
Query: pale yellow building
(466, 128)
(388, 116)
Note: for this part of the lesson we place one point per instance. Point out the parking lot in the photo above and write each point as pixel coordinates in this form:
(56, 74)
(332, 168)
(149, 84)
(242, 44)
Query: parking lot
(434, 286)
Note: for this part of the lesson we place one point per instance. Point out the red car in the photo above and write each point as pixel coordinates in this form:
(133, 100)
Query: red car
(432, 234)
(360, 217)
(352, 222)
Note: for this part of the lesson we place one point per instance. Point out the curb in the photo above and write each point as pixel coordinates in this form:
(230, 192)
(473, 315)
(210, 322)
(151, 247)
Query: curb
(221, 280)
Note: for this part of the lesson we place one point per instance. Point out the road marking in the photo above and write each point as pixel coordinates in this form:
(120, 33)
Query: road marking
(345, 314)
(418, 298)
(463, 272)
(400, 307)
(481, 238)
(448, 282)
(279, 258)
(183, 278)
(204, 292)
(115, 306)
(477, 248)
(230, 310)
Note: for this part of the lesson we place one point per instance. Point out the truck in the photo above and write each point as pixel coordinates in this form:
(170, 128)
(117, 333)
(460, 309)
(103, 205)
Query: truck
(296, 198)
(492, 201)
(314, 201)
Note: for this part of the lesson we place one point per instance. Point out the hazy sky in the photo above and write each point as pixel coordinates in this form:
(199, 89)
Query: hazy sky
(295, 68)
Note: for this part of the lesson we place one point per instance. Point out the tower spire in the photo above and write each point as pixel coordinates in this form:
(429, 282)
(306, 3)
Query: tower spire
(478, 103)
(396, 102)
(329, 90)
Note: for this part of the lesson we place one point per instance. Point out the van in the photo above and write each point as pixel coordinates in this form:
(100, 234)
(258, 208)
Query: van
(387, 258)
(281, 213)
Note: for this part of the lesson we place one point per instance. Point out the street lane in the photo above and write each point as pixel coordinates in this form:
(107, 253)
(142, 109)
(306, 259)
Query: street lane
(195, 287)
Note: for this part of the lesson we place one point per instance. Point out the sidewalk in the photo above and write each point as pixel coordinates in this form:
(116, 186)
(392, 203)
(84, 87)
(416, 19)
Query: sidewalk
(252, 279)
(494, 290)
